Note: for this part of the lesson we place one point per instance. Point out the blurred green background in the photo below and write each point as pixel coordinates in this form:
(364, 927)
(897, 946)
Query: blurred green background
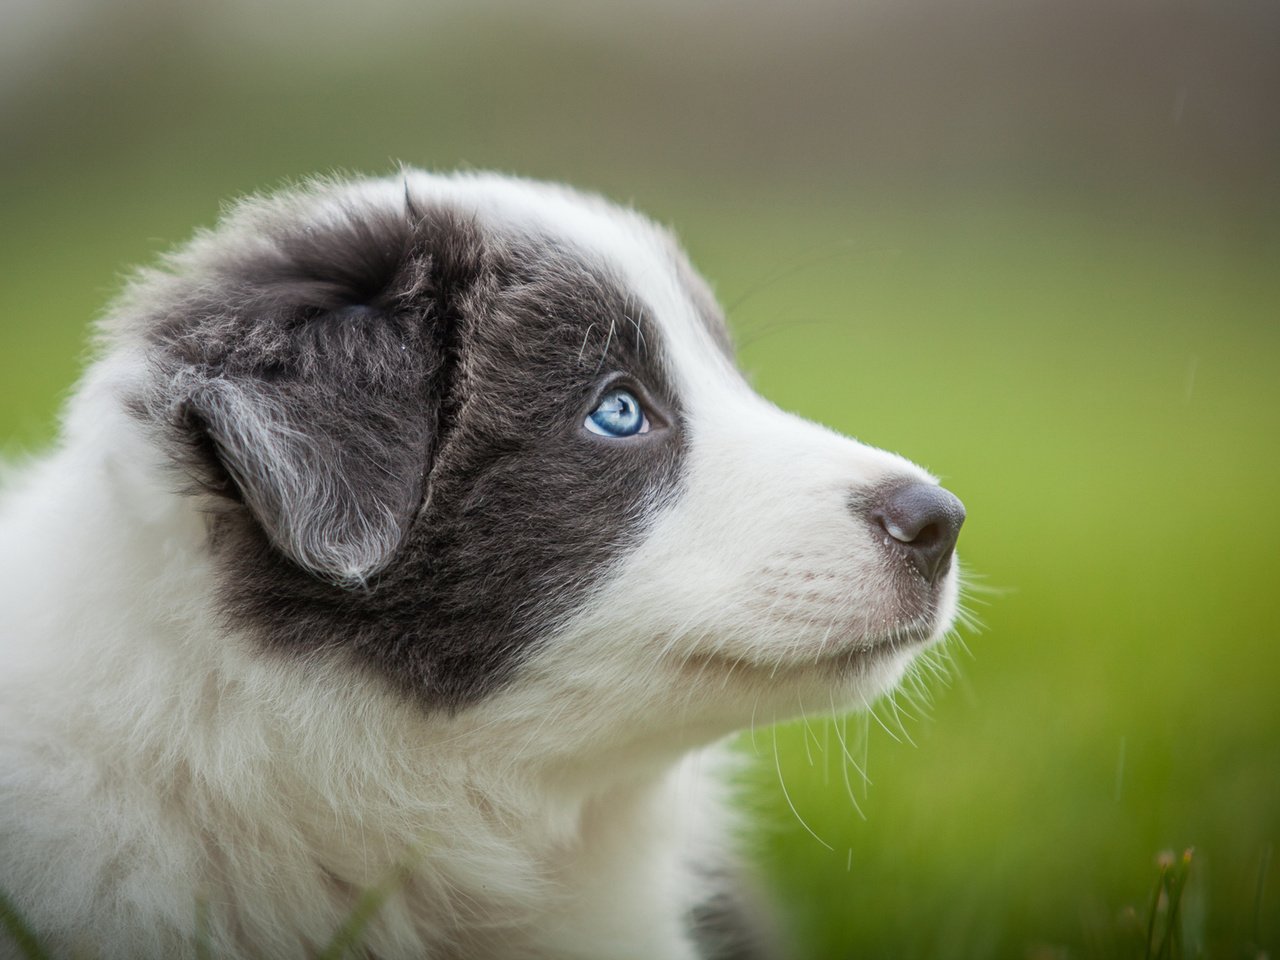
(1032, 244)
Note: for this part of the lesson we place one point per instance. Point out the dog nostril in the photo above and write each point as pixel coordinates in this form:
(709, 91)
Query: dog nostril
(925, 521)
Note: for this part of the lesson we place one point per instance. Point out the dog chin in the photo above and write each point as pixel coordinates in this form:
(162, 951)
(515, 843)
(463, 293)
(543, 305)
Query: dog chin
(847, 671)
(836, 661)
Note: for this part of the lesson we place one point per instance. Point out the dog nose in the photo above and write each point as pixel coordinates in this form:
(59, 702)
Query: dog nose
(925, 521)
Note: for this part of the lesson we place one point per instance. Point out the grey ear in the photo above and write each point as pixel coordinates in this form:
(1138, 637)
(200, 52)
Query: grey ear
(328, 451)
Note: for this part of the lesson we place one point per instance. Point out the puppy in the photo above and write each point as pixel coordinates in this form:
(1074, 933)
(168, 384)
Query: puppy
(405, 548)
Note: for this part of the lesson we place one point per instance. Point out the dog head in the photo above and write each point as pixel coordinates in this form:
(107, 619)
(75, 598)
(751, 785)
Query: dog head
(485, 439)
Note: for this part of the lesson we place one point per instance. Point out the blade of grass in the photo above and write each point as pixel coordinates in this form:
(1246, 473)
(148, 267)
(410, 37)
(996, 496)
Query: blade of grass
(203, 949)
(366, 908)
(1177, 886)
(19, 931)
(1164, 861)
(348, 935)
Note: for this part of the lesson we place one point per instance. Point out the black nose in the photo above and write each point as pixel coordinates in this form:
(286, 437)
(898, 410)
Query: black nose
(924, 521)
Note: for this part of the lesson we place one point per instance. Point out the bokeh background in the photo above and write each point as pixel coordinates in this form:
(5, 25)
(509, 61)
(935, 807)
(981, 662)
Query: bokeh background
(1032, 244)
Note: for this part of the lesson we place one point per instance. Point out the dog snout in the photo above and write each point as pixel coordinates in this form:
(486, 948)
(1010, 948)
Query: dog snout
(922, 520)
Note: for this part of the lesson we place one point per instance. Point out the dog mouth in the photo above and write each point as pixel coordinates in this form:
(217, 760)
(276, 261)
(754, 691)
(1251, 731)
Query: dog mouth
(834, 658)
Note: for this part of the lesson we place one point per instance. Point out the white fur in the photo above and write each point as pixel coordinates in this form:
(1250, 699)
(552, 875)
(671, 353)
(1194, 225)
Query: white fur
(557, 818)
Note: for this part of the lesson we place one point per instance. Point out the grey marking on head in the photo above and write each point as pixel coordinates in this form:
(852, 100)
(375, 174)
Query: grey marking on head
(384, 408)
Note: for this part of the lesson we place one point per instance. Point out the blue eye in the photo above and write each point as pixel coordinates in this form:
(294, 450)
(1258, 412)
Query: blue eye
(618, 414)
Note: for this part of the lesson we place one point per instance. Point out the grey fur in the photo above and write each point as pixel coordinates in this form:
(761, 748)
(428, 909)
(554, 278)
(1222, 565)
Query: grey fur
(735, 923)
(383, 411)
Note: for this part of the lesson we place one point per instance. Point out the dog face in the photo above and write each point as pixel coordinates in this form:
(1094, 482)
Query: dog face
(485, 438)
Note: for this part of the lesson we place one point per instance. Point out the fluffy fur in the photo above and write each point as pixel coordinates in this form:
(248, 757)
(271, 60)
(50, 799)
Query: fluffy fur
(326, 588)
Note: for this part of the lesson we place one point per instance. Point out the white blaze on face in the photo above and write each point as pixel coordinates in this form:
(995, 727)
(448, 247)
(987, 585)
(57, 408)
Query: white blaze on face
(762, 566)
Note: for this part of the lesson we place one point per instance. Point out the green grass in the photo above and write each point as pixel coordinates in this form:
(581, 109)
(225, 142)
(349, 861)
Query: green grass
(1106, 403)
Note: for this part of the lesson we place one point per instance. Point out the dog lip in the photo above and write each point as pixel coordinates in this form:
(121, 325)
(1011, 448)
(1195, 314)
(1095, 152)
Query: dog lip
(838, 659)
(901, 638)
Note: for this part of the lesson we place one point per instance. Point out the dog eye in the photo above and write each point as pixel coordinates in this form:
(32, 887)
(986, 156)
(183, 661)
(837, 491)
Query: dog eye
(618, 414)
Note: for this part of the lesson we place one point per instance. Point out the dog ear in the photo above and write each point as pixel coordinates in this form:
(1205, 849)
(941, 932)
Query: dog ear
(327, 445)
